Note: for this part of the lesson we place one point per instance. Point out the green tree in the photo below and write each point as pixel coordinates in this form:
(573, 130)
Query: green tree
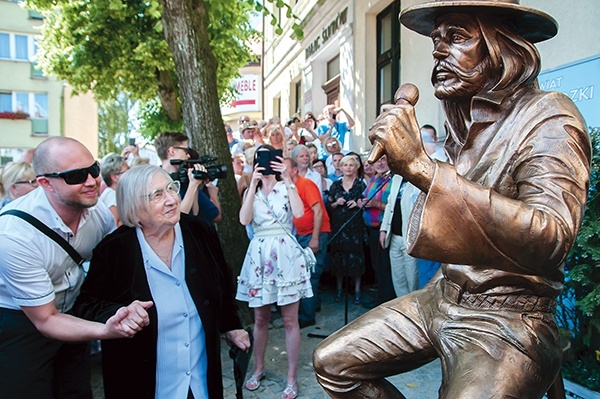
(113, 46)
(583, 287)
(113, 124)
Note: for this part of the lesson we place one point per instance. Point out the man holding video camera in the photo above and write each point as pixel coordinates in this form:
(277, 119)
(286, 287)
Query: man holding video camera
(174, 146)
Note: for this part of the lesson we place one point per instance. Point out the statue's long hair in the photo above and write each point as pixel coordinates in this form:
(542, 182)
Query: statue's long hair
(515, 60)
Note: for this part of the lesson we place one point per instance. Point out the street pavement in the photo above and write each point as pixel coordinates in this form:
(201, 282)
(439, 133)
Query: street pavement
(419, 384)
(422, 383)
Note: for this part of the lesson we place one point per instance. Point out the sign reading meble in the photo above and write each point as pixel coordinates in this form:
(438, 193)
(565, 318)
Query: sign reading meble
(327, 33)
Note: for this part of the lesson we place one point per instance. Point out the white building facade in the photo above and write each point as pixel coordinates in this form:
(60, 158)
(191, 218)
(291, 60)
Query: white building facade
(355, 54)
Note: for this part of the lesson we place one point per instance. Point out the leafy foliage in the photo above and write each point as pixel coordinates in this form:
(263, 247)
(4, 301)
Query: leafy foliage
(113, 46)
(113, 124)
(153, 119)
(583, 286)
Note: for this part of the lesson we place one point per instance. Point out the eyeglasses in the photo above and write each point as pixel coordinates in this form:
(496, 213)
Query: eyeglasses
(158, 196)
(32, 182)
(186, 149)
(331, 144)
(76, 176)
(228, 130)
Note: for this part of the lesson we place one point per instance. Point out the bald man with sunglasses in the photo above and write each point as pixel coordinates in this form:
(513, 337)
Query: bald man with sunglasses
(40, 356)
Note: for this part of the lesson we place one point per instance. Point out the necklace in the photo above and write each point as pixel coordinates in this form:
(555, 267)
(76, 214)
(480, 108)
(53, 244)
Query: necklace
(166, 258)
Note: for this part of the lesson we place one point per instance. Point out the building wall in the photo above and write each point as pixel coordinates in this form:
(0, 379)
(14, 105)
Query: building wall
(81, 119)
(286, 60)
(67, 115)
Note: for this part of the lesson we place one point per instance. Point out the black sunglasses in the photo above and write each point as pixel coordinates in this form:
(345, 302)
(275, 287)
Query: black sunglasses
(76, 176)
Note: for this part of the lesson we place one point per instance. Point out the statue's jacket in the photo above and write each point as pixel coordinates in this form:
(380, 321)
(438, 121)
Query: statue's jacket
(504, 212)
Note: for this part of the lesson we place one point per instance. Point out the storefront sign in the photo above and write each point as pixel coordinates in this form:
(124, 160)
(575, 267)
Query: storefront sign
(580, 81)
(247, 98)
(328, 32)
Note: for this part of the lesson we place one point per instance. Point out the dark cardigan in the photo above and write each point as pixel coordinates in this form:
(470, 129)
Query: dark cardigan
(117, 277)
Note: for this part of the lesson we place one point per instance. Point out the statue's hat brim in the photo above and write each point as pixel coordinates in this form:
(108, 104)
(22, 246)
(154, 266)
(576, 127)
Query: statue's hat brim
(532, 24)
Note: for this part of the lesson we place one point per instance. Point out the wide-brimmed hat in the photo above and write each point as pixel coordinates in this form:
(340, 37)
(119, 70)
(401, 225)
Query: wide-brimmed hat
(246, 126)
(532, 24)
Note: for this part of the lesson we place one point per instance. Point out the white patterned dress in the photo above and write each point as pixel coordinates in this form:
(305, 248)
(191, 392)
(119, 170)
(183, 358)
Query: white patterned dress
(274, 269)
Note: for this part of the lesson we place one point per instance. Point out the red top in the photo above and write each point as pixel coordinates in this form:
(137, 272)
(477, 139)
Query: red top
(310, 195)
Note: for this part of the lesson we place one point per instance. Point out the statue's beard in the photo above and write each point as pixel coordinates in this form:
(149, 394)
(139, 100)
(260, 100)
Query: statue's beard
(466, 83)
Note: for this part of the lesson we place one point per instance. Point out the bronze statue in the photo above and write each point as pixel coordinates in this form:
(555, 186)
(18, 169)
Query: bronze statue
(501, 216)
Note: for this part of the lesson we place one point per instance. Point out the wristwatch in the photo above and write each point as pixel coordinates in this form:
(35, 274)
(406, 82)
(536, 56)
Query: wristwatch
(291, 187)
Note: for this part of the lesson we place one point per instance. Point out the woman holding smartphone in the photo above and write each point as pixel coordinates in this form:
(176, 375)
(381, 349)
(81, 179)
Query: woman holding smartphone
(274, 270)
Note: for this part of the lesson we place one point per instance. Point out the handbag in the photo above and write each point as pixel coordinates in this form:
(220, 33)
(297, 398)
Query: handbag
(309, 255)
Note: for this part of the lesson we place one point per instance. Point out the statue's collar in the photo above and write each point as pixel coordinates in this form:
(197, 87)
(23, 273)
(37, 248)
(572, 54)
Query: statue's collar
(489, 107)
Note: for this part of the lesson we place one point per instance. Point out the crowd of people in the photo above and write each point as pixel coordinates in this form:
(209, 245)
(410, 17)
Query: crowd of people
(141, 258)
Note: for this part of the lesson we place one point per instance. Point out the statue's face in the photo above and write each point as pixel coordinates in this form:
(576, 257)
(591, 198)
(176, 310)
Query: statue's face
(461, 62)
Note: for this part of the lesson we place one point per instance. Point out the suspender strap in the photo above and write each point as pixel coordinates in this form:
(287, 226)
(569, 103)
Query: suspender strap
(47, 231)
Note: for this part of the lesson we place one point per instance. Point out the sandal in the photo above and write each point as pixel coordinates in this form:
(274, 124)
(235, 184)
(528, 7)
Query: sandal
(357, 298)
(254, 381)
(290, 392)
(338, 297)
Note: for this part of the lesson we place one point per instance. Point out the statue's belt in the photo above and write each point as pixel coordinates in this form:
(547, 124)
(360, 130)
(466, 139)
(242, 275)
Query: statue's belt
(519, 303)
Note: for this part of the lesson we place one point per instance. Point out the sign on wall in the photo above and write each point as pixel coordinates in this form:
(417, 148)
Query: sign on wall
(247, 99)
(580, 81)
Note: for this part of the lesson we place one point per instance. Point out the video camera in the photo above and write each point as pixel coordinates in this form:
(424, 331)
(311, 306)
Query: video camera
(212, 171)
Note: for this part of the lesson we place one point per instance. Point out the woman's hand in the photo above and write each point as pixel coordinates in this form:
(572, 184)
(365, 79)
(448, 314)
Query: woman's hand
(281, 167)
(239, 338)
(340, 201)
(352, 204)
(382, 237)
(256, 175)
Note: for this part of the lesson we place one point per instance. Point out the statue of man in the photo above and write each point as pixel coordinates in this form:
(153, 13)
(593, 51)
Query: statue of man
(501, 215)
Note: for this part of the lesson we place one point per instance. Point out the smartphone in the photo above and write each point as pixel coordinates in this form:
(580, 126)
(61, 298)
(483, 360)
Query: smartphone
(131, 141)
(264, 158)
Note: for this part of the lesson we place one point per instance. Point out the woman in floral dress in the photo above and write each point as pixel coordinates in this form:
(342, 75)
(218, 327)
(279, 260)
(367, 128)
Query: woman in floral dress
(347, 255)
(274, 270)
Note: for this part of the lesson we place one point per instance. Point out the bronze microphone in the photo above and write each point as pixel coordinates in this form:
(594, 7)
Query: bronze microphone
(408, 93)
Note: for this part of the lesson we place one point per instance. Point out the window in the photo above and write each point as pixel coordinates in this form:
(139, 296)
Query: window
(298, 96)
(17, 47)
(388, 54)
(5, 102)
(22, 102)
(35, 104)
(21, 47)
(40, 106)
(4, 45)
(333, 67)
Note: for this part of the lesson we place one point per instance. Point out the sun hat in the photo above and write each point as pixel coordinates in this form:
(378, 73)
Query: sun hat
(533, 25)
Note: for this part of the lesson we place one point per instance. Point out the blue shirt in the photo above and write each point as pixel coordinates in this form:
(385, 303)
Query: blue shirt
(338, 131)
(181, 359)
(206, 209)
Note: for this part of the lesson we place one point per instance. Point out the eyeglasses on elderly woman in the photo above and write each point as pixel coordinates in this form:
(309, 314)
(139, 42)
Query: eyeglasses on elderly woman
(157, 196)
(32, 182)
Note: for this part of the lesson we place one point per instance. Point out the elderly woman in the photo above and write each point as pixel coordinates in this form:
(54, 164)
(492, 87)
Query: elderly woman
(16, 180)
(176, 261)
(112, 167)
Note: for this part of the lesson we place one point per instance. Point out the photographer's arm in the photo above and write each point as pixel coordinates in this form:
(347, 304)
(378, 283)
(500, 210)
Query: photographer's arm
(348, 117)
(213, 195)
(191, 195)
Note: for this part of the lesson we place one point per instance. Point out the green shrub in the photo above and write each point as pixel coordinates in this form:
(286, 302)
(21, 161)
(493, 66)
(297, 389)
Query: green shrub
(583, 287)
